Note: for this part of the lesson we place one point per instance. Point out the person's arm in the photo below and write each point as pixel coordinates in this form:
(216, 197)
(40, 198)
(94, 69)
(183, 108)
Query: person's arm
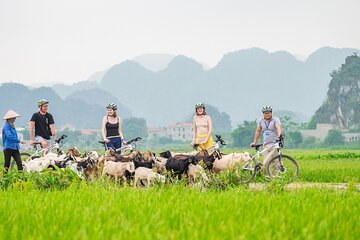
(194, 132)
(210, 128)
(31, 129)
(52, 126)
(10, 135)
(53, 132)
(103, 130)
(257, 135)
(120, 130)
(278, 128)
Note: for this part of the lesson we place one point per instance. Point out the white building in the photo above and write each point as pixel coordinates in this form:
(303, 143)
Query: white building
(155, 132)
(322, 130)
(178, 131)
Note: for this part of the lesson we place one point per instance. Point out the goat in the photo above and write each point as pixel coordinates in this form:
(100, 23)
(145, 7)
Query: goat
(147, 174)
(229, 161)
(195, 171)
(117, 169)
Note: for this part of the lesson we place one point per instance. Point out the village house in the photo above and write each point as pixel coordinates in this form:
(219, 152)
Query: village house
(322, 130)
(178, 131)
(156, 132)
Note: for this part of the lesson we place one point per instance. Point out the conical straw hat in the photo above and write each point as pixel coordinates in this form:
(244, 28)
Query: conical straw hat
(11, 114)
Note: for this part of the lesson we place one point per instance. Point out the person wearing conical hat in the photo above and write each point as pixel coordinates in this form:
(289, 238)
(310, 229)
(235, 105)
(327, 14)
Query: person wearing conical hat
(11, 141)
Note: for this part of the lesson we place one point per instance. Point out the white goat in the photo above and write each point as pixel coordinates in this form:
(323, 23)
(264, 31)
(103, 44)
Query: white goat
(37, 164)
(142, 173)
(160, 163)
(117, 169)
(229, 161)
(195, 171)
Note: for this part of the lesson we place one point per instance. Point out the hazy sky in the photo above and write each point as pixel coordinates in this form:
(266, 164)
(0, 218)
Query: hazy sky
(67, 41)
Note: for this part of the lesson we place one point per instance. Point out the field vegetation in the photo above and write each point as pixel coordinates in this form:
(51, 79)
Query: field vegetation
(57, 205)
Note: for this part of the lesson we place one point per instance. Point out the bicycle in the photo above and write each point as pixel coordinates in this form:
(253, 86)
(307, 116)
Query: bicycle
(215, 147)
(281, 166)
(39, 151)
(215, 153)
(126, 149)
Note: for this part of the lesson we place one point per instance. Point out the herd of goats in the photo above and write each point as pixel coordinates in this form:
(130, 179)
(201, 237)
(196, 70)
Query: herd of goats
(143, 167)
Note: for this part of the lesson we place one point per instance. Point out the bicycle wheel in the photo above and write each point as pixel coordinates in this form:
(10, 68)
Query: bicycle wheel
(246, 171)
(282, 166)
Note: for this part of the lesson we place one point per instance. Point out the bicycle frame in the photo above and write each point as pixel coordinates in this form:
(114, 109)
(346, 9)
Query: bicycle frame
(39, 150)
(124, 149)
(256, 157)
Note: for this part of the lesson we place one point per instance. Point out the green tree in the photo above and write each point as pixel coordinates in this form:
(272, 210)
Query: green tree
(334, 138)
(294, 139)
(243, 135)
(134, 127)
(287, 124)
(312, 123)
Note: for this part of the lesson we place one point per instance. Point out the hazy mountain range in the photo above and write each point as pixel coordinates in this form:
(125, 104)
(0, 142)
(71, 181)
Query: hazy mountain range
(239, 85)
(72, 110)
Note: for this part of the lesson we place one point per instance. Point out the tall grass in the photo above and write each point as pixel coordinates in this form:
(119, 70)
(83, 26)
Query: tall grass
(333, 166)
(175, 212)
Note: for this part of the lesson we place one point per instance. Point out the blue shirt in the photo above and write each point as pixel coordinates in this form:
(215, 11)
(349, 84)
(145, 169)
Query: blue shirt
(10, 137)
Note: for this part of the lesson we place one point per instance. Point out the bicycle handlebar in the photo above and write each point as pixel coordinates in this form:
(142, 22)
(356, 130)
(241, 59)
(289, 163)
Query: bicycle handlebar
(61, 138)
(134, 140)
(280, 141)
(219, 139)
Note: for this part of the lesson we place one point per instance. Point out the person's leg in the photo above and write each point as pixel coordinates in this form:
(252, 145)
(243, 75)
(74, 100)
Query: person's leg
(116, 142)
(7, 158)
(43, 141)
(268, 155)
(17, 158)
(110, 144)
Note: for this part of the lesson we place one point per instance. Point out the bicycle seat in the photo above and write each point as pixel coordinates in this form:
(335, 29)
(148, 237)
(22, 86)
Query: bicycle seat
(36, 143)
(102, 142)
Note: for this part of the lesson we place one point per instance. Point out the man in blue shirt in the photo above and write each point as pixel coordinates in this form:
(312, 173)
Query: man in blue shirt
(11, 141)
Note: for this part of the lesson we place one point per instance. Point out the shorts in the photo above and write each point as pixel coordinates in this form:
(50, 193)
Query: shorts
(39, 139)
(114, 143)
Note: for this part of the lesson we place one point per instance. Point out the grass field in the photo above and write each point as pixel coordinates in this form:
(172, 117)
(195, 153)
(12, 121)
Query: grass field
(95, 212)
(30, 208)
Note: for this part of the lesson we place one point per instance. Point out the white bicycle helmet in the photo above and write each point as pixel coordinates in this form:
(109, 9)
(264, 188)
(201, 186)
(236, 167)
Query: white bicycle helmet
(112, 105)
(267, 109)
(200, 105)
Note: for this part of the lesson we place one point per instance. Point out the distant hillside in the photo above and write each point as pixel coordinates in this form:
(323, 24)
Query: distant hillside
(240, 84)
(294, 116)
(342, 106)
(64, 90)
(101, 98)
(23, 100)
(154, 62)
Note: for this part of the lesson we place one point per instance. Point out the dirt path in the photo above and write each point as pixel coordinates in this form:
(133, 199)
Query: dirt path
(292, 186)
